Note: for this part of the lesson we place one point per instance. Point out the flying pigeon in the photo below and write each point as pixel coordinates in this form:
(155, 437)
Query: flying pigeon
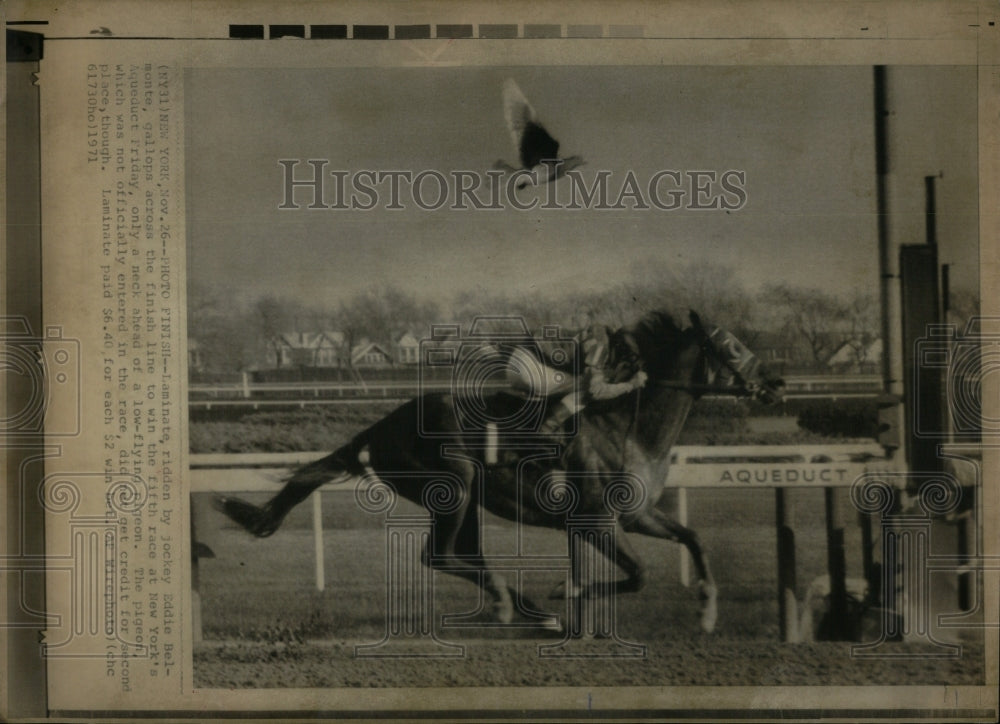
(536, 149)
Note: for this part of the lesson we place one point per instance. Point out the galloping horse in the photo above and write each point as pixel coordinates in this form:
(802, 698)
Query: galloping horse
(631, 434)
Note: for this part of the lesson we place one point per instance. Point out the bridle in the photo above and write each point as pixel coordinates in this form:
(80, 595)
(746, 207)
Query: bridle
(743, 388)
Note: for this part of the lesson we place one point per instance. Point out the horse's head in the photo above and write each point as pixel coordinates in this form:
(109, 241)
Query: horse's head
(729, 363)
(702, 357)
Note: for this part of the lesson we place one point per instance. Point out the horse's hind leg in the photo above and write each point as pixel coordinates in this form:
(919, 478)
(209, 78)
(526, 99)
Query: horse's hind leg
(455, 548)
(263, 521)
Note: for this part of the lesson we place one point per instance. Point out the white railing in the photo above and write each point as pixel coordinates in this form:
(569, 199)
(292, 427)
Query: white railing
(816, 466)
(747, 466)
(264, 394)
(692, 466)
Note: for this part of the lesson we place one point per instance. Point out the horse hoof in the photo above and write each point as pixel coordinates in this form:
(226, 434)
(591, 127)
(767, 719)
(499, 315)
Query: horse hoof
(552, 623)
(709, 607)
(249, 517)
(503, 613)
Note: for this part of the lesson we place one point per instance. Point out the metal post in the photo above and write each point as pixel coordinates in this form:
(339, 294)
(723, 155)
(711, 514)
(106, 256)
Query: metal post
(889, 284)
(965, 575)
(682, 518)
(963, 529)
(837, 566)
(787, 603)
(868, 567)
(317, 498)
(196, 629)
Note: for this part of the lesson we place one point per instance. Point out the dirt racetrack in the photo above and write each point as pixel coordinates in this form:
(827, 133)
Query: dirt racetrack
(266, 625)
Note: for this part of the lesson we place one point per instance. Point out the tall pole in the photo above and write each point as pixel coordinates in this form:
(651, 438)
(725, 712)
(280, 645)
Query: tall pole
(889, 289)
(891, 305)
(930, 210)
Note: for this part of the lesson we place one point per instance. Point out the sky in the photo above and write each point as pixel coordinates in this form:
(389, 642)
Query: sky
(802, 135)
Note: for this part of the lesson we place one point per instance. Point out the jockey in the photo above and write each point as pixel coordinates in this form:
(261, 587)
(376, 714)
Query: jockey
(594, 384)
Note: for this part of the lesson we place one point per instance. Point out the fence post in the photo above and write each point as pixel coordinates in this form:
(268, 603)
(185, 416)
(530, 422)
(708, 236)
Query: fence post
(318, 539)
(196, 629)
(836, 565)
(682, 518)
(246, 385)
(787, 603)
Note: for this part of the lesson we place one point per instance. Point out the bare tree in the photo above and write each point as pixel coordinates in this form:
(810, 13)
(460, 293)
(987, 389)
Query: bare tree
(382, 315)
(272, 317)
(713, 290)
(811, 315)
(861, 323)
(962, 306)
(218, 325)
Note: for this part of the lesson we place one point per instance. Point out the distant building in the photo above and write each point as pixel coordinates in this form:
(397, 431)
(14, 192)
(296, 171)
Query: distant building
(368, 354)
(329, 349)
(310, 349)
(776, 350)
(407, 349)
(857, 357)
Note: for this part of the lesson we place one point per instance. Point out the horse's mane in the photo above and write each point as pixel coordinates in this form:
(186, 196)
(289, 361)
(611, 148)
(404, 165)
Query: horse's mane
(656, 328)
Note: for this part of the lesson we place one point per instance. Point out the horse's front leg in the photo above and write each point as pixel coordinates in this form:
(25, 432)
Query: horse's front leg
(656, 523)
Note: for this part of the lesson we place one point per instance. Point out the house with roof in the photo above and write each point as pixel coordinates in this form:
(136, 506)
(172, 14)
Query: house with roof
(309, 349)
(856, 357)
(407, 349)
(776, 350)
(368, 354)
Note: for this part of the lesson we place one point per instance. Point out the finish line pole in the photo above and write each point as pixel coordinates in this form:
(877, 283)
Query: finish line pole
(890, 293)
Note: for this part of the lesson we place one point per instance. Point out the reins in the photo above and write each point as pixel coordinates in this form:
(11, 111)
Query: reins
(738, 390)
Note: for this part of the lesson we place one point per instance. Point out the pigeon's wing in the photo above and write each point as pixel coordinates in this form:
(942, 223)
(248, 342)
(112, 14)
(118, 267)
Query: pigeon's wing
(537, 145)
(517, 112)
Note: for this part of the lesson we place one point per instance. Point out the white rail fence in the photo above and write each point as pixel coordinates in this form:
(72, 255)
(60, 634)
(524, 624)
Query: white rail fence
(753, 466)
(264, 394)
(747, 466)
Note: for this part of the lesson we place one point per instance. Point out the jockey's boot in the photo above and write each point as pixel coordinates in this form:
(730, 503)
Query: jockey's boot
(556, 421)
